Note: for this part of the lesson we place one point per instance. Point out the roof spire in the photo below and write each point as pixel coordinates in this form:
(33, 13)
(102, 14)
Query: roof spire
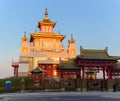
(106, 49)
(25, 37)
(35, 30)
(81, 48)
(24, 34)
(71, 40)
(46, 13)
(71, 36)
(58, 31)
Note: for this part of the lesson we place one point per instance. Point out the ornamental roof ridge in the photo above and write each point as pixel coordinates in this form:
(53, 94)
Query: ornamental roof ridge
(46, 21)
(37, 70)
(47, 33)
(92, 50)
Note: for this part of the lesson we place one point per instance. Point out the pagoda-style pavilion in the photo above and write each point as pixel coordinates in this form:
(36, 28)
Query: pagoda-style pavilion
(94, 61)
(37, 74)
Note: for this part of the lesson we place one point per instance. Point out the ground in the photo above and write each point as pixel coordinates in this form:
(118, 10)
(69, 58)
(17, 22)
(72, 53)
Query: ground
(61, 96)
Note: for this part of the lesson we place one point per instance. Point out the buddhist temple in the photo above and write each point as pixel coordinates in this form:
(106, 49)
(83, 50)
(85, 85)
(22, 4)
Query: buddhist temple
(44, 49)
(44, 54)
(54, 67)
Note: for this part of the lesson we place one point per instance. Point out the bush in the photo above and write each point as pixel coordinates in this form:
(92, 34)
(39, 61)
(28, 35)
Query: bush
(15, 83)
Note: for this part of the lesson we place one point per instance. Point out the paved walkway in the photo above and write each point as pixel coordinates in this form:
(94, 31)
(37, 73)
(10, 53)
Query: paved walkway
(8, 96)
(62, 96)
(106, 94)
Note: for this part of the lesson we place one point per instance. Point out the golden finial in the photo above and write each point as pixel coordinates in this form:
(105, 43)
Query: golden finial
(81, 48)
(46, 13)
(35, 30)
(25, 37)
(71, 36)
(106, 49)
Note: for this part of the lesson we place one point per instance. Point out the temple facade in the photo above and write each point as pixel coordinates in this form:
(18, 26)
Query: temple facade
(44, 53)
(44, 49)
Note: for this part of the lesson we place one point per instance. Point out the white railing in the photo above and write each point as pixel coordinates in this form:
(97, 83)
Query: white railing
(33, 50)
(15, 63)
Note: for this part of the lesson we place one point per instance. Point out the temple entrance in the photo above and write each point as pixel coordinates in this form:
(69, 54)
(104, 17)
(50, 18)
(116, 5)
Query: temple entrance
(48, 68)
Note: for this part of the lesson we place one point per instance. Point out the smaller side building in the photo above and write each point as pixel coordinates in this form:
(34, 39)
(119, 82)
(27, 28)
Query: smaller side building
(93, 62)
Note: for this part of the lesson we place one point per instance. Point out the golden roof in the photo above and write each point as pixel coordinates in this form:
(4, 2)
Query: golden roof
(46, 35)
(69, 65)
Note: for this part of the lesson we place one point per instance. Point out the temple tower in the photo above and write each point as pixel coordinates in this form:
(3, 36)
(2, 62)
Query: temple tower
(72, 47)
(24, 45)
(46, 26)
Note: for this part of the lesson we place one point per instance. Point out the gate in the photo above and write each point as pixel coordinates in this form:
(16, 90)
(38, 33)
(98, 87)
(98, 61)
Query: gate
(70, 84)
(53, 83)
(95, 85)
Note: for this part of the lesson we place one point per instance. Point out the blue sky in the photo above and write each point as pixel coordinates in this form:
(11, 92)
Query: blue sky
(94, 24)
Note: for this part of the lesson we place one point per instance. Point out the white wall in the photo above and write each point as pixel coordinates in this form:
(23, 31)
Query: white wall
(23, 67)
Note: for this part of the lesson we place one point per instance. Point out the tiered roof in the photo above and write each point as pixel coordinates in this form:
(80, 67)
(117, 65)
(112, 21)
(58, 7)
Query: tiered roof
(46, 22)
(96, 54)
(37, 71)
(117, 67)
(68, 65)
(45, 35)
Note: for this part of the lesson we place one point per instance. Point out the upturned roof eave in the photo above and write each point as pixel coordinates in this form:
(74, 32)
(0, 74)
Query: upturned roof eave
(46, 23)
(98, 58)
(37, 70)
(48, 35)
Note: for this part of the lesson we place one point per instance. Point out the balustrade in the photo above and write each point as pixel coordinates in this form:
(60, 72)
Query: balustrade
(47, 50)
